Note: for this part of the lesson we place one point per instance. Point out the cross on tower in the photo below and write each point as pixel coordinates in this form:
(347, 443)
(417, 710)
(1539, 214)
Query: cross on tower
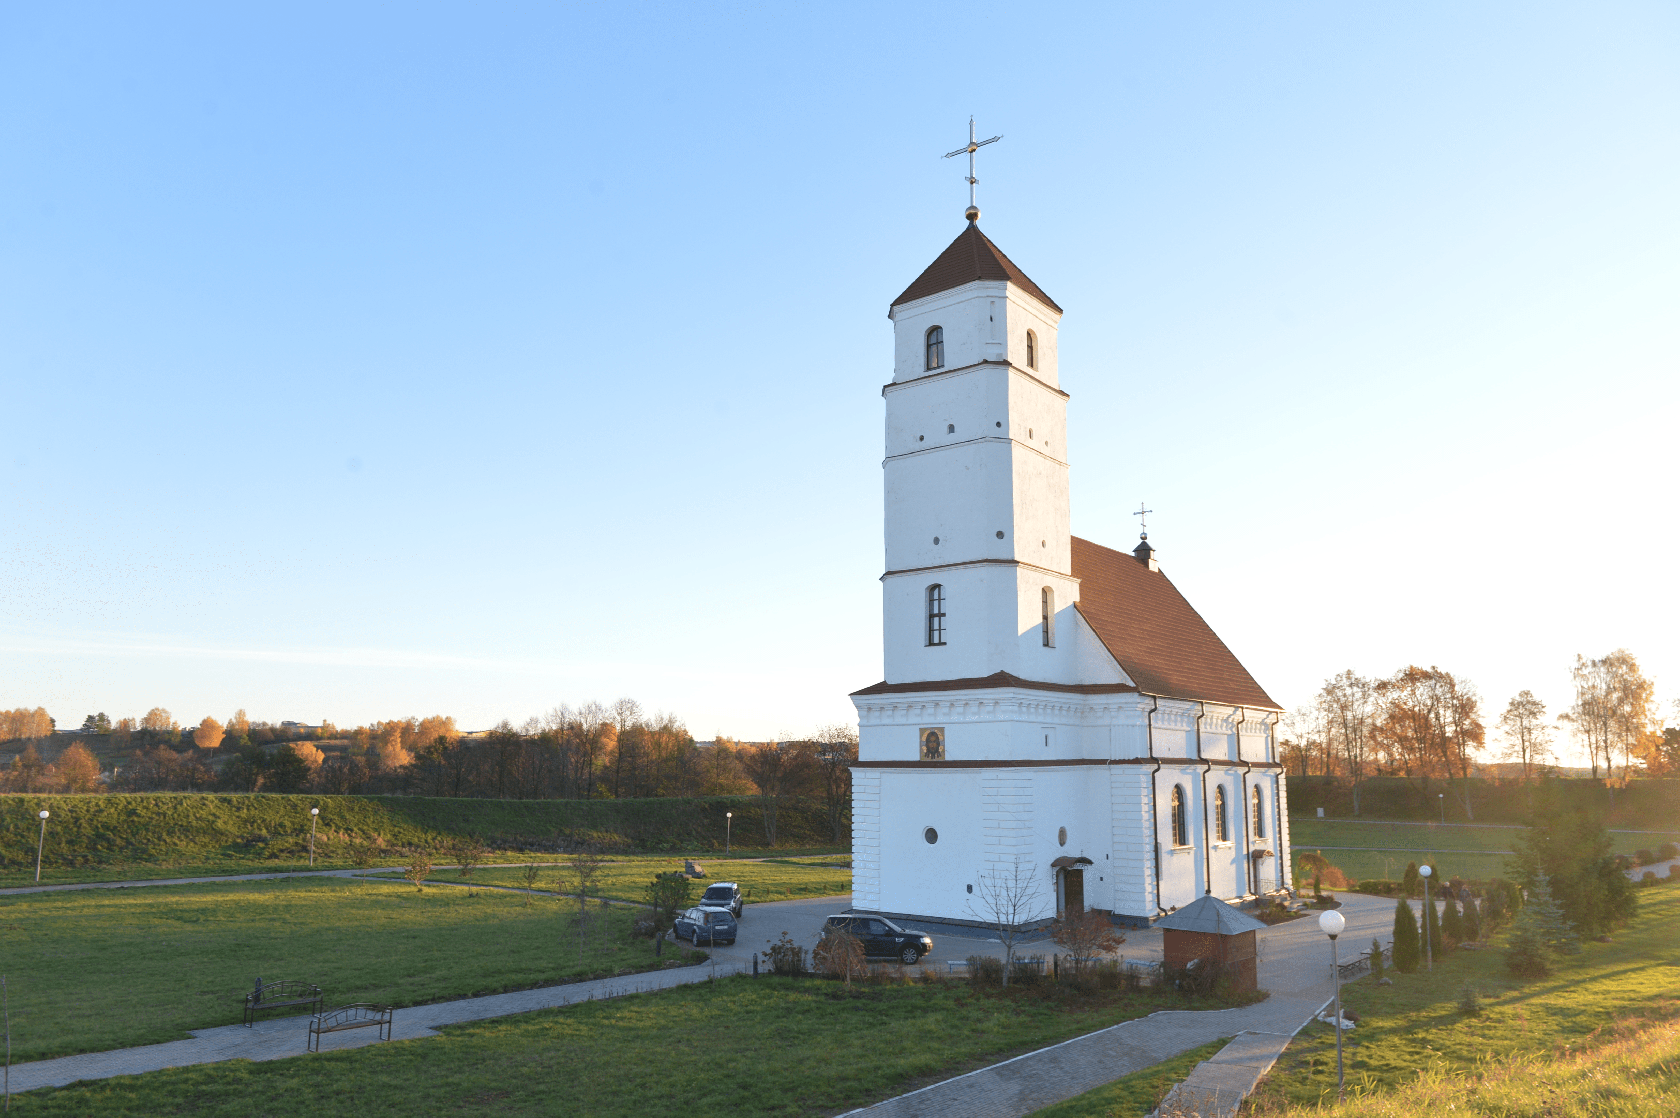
(1143, 522)
(973, 213)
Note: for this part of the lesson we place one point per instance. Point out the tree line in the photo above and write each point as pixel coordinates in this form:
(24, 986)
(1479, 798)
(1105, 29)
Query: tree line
(1428, 724)
(588, 751)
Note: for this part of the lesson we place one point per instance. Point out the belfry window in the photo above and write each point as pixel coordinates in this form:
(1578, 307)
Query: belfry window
(1180, 826)
(1047, 609)
(936, 348)
(1259, 815)
(936, 614)
(1032, 350)
(1221, 832)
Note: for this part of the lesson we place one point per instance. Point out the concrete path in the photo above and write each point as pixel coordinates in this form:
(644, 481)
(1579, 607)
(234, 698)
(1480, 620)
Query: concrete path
(1294, 967)
(1217, 1087)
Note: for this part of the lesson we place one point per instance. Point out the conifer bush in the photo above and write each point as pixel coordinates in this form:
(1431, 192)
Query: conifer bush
(1408, 949)
(1376, 960)
(1452, 926)
(1472, 921)
(1411, 884)
(1432, 927)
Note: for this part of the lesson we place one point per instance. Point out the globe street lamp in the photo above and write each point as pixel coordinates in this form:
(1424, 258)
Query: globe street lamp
(314, 813)
(728, 828)
(1332, 923)
(1428, 910)
(40, 845)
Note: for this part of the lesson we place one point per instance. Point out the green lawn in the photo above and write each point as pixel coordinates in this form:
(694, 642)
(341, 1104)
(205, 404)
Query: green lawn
(736, 1046)
(1134, 1095)
(625, 879)
(104, 969)
(1388, 847)
(1415, 1023)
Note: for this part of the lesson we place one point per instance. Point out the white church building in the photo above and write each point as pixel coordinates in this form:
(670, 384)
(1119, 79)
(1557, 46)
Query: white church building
(1049, 703)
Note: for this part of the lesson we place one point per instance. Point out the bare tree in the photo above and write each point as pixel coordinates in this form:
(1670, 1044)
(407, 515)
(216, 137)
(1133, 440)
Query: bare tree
(419, 868)
(1087, 934)
(1009, 902)
(584, 868)
(836, 752)
(1347, 701)
(1528, 739)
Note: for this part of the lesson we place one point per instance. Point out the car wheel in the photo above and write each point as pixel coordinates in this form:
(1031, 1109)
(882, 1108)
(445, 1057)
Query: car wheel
(909, 956)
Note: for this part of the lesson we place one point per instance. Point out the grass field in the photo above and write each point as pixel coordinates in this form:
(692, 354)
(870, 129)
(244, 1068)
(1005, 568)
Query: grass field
(1415, 1024)
(104, 969)
(1134, 1095)
(626, 879)
(129, 837)
(737, 1046)
(1468, 851)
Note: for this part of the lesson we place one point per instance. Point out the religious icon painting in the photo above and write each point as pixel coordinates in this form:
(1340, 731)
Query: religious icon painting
(933, 744)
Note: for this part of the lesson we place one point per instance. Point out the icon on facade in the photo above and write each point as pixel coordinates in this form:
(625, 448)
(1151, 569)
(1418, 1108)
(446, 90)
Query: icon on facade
(933, 744)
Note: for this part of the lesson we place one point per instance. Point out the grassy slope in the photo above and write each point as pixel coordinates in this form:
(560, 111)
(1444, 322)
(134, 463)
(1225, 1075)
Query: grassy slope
(1416, 1024)
(625, 879)
(103, 969)
(1134, 1095)
(124, 837)
(1391, 846)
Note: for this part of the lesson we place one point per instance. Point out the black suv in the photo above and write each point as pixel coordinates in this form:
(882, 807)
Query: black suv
(881, 937)
(723, 894)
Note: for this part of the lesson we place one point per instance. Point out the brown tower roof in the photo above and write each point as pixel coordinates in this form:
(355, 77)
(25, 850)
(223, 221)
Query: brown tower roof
(972, 256)
(1161, 642)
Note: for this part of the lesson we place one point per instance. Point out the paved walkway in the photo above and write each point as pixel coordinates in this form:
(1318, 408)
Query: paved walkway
(1294, 967)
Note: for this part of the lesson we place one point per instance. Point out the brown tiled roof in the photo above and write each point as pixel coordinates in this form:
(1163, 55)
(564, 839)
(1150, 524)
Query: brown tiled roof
(972, 256)
(1161, 642)
(996, 679)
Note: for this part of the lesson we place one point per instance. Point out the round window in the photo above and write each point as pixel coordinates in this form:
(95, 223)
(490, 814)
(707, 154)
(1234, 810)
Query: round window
(931, 835)
(1061, 836)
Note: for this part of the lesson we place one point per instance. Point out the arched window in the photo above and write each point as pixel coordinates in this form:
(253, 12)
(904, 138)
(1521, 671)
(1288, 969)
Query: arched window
(1259, 815)
(1221, 832)
(936, 348)
(1180, 827)
(936, 614)
(1032, 350)
(1047, 606)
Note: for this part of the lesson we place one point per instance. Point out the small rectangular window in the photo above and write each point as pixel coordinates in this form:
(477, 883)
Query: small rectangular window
(936, 614)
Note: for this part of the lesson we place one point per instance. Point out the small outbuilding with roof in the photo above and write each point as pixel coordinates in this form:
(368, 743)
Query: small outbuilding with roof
(1211, 931)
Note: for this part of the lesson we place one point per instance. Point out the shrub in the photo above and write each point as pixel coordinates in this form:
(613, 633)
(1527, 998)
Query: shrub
(1411, 884)
(786, 957)
(1376, 960)
(1432, 928)
(985, 970)
(1472, 922)
(1666, 851)
(365, 852)
(1408, 949)
(1468, 1004)
(1674, 872)
(1323, 873)
(1378, 887)
(840, 955)
(1644, 857)
(419, 868)
(1452, 926)
(1649, 877)
(1493, 908)
(1026, 969)
(1198, 976)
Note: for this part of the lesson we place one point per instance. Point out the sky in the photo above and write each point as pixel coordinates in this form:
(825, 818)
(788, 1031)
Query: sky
(374, 360)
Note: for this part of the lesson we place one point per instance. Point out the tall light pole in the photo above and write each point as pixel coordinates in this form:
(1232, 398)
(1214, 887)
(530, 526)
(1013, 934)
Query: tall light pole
(1442, 796)
(41, 845)
(728, 830)
(314, 813)
(1428, 911)
(1332, 923)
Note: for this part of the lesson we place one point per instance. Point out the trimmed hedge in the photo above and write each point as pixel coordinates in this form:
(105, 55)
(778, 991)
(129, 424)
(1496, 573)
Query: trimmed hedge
(1640, 805)
(186, 826)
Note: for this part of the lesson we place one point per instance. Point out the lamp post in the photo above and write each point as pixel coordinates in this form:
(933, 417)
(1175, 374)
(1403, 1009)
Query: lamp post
(1332, 923)
(728, 829)
(1442, 796)
(314, 813)
(1428, 910)
(41, 845)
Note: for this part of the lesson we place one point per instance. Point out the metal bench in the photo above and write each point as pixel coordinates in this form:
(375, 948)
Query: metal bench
(362, 1015)
(281, 995)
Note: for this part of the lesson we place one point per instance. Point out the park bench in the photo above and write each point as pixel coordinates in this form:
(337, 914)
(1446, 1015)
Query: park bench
(346, 1017)
(281, 995)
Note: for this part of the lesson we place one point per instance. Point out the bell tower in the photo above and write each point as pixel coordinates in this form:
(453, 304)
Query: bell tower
(978, 566)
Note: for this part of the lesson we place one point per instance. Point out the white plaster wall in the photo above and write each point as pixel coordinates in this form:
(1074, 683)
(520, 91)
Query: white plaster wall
(1026, 313)
(1002, 724)
(982, 322)
(1132, 850)
(866, 838)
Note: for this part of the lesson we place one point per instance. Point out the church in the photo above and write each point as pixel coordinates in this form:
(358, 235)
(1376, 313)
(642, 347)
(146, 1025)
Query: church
(1054, 712)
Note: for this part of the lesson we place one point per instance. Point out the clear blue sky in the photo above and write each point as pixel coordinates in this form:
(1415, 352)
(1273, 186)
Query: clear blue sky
(371, 360)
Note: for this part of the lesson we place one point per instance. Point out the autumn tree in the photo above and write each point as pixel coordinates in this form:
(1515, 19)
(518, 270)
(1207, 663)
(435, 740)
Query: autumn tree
(1528, 739)
(1614, 711)
(775, 768)
(239, 726)
(24, 723)
(159, 721)
(208, 734)
(76, 769)
(28, 772)
(1428, 722)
